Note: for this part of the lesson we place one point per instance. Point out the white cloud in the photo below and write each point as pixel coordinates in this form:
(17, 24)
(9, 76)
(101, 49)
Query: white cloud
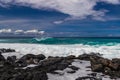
(5, 31)
(58, 22)
(111, 1)
(41, 32)
(19, 31)
(32, 31)
(75, 8)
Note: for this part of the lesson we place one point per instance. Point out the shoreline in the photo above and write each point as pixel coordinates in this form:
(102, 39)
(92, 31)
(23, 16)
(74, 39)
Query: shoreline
(61, 50)
(39, 67)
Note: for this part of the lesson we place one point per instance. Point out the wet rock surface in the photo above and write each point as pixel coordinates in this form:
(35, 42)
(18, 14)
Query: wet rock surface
(3, 50)
(100, 64)
(13, 69)
(19, 69)
(88, 78)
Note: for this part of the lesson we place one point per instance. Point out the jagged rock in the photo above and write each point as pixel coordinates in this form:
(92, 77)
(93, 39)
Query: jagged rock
(28, 57)
(114, 66)
(71, 57)
(13, 69)
(107, 70)
(51, 61)
(88, 56)
(88, 78)
(72, 71)
(97, 67)
(21, 63)
(62, 66)
(32, 59)
(2, 58)
(3, 50)
(11, 59)
(73, 67)
(40, 57)
(116, 60)
(52, 64)
(103, 61)
(93, 74)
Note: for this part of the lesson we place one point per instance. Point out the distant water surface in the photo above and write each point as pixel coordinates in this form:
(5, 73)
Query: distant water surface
(63, 41)
(109, 47)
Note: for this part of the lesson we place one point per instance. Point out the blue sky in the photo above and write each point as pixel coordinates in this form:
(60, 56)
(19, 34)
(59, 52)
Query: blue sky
(62, 18)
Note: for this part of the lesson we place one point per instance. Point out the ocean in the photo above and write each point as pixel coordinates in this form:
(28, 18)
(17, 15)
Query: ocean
(109, 47)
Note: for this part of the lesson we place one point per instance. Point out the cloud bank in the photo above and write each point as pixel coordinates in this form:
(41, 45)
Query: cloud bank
(5, 31)
(32, 31)
(74, 8)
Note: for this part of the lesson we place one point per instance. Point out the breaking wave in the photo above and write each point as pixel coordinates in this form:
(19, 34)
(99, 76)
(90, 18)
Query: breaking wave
(62, 50)
(110, 48)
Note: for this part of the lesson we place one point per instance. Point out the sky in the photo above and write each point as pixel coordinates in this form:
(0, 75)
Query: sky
(64, 18)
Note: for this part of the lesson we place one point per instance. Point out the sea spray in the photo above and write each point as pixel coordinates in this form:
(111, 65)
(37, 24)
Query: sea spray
(62, 50)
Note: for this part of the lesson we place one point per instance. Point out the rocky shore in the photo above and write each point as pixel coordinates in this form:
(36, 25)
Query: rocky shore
(38, 67)
(3, 50)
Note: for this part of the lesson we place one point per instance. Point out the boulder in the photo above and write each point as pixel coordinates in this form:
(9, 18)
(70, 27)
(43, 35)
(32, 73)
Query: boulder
(71, 57)
(107, 70)
(116, 60)
(3, 50)
(21, 63)
(40, 57)
(71, 72)
(62, 66)
(29, 58)
(11, 59)
(97, 67)
(88, 78)
(50, 61)
(114, 66)
(73, 67)
(2, 57)
(88, 56)
(32, 59)
(103, 61)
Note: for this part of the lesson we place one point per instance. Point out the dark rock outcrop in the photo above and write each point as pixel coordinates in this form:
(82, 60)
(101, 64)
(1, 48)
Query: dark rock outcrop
(88, 78)
(2, 58)
(39, 76)
(3, 50)
(9, 69)
(17, 69)
(100, 64)
(32, 59)
(73, 67)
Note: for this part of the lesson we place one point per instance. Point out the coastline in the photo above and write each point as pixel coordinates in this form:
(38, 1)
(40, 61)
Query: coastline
(62, 50)
(39, 67)
(60, 62)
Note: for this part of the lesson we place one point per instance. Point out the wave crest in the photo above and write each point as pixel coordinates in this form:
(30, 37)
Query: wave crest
(43, 38)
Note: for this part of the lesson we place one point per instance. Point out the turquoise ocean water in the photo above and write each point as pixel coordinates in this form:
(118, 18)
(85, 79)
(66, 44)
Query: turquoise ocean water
(109, 47)
(66, 41)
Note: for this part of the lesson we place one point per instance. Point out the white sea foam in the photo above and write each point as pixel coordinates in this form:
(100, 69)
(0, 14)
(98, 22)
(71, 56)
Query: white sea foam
(83, 71)
(42, 39)
(61, 50)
